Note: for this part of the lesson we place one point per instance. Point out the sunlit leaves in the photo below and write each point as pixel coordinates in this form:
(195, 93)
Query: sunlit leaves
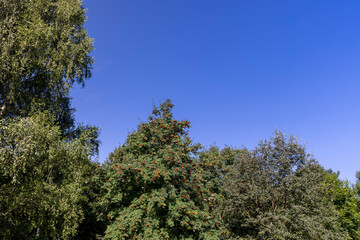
(44, 49)
(40, 179)
(154, 188)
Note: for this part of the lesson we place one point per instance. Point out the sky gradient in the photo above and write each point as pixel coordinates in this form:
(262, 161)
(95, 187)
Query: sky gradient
(235, 69)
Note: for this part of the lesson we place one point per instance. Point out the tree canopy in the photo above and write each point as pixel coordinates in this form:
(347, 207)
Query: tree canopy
(41, 176)
(347, 201)
(44, 49)
(158, 184)
(154, 188)
(277, 192)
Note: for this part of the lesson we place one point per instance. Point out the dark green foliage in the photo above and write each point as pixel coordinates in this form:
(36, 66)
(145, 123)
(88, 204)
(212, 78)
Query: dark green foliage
(91, 226)
(277, 192)
(213, 169)
(154, 188)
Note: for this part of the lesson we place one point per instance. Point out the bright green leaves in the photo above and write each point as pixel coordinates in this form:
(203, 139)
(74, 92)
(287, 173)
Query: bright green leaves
(347, 202)
(44, 50)
(41, 179)
(153, 187)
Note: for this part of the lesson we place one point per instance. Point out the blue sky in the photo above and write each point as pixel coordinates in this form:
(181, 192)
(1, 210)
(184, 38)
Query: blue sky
(235, 69)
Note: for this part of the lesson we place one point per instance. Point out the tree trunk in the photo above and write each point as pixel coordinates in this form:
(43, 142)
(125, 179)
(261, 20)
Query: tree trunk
(37, 233)
(2, 109)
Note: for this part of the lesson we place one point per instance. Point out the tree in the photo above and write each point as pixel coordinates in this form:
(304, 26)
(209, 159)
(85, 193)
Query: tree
(347, 202)
(154, 187)
(44, 49)
(41, 179)
(91, 227)
(276, 191)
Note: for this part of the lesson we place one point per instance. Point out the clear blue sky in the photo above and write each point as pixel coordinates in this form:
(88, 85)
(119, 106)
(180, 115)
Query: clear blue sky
(235, 69)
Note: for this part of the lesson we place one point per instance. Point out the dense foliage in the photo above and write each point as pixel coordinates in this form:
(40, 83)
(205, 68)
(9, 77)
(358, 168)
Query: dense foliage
(347, 202)
(41, 177)
(276, 191)
(158, 184)
(155, 188)
(43, 155)
(43, 51)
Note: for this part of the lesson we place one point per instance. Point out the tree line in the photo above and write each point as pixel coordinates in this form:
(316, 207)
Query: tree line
(158, 184)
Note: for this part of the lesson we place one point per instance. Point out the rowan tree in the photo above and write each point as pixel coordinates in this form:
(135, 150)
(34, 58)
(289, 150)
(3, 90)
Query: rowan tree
(155, 187)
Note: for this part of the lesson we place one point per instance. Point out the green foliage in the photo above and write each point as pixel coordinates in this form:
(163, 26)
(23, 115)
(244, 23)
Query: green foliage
(347, 202)
(155, 188)
(91, 226)
(211, 166)
(41, 179)
(277, 192)
(158, 185)
(43, 51)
